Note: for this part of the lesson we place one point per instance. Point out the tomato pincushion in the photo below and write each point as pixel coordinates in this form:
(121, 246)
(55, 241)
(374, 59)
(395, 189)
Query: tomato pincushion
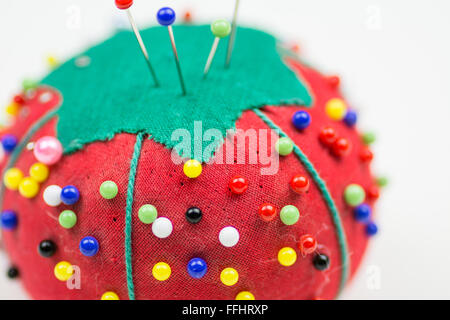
(97, 192)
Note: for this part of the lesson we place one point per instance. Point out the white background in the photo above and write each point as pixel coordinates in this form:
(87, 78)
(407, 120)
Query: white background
(394, 59)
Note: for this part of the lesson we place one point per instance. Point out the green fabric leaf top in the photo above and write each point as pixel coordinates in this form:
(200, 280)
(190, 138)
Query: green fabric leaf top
(115, 93)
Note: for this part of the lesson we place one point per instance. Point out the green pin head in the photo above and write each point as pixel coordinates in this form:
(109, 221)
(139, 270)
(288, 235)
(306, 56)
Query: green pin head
(67, 219)
(221, 28)
(284, 146)
(368, 138)
(29, 84)
(289, 215)
(354, 195)
(109, 189)
(147, 213)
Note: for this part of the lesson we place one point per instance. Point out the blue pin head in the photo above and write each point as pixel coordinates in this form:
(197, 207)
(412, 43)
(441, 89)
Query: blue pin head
(166, 16)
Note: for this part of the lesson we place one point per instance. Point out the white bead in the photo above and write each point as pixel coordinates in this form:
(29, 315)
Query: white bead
(83, 61)
(52, 195)
(30, 146)
(229, 236)
(162, 227)
(45, 97)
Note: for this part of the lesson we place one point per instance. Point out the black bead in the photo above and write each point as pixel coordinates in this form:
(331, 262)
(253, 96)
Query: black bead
(321, 262)
(12, 273)
(47, 248)
(194, 215)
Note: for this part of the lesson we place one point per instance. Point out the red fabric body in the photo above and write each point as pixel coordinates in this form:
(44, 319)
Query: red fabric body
(162, 183)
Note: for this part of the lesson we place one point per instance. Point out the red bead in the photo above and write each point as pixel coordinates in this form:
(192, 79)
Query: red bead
(296, 48)
(187, 17)
(373, 192)
(334, 81)
(124, 4)
(307, 244)
(366, 155)
(342, 147)
(19, 99)
(317, 299)
(328, 136)
(267, 212)
(300, 183)
(238, 184)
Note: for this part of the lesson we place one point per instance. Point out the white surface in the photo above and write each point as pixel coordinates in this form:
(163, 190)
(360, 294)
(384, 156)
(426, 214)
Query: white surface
(393, 57)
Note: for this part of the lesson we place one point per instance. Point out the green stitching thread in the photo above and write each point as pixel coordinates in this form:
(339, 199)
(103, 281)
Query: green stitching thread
(18, 150)
(325, 193)
(128, 216)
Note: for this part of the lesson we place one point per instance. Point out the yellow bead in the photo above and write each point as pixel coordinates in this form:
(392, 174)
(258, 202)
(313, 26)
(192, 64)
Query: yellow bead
(12, 109)
(52, 62)
(161, 271)
(63, 271)
(110, 296)
(12, 178)
(229, 276)
(192, 168)
(39, 172)
(336, 109)
(28, 187)
(287, 257)
(245, 295)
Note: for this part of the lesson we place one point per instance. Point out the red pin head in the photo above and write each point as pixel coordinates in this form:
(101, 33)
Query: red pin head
(300, 183)
(307, 244)
(341, 147)
(328, 136)
(124, 4)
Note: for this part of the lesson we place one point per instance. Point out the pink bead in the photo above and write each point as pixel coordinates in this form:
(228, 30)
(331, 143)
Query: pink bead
(48, 150)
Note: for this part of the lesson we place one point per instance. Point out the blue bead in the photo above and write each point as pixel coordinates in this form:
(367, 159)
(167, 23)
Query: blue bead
(197, 268)
(371, 229)
(350, 118)
(301, 120)
(70, 195)
(363, 212)
(166, 16)
(89, 246)
(9, 220)
(9, 142)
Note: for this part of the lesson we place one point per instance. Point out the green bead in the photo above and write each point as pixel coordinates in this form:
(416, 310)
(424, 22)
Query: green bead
(284, 146)
(354, 195)
(221, 28)
(109, 189)
(147, 213)
(29, 84)
(368, 137)
(67, 219)
(382, 181)
(289, 215)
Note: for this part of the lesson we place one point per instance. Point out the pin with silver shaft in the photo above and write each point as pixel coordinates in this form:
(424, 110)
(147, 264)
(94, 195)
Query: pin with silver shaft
(232, 38)
(220, 29)
(125, 5)
(166, 17)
